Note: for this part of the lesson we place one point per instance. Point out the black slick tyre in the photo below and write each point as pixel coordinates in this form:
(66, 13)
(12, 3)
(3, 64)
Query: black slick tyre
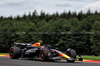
(14, 52)
(71, 53)
(44, 54)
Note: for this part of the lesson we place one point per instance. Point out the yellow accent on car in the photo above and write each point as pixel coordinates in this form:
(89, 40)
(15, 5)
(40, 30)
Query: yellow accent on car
(66, 56)
(2, 55)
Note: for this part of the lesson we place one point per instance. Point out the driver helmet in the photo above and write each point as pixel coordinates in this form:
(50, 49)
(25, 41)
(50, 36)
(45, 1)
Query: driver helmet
(41, 42)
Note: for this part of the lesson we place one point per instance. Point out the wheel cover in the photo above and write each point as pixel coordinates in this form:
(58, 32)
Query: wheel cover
(42, 54)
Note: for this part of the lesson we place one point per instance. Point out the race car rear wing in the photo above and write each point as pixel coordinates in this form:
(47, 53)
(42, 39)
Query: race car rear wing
(24, 44)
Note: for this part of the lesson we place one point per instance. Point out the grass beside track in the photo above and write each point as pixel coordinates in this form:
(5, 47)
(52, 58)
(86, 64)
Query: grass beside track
(4, 53)
(91, 58)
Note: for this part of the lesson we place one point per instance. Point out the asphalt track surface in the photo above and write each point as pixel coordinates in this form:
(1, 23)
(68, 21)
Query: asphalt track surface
(6, 61)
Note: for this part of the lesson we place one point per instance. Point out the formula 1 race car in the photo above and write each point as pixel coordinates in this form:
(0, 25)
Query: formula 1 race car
(45, 52)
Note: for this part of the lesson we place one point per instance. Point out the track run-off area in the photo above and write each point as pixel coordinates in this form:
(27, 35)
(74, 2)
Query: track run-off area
(6, 61)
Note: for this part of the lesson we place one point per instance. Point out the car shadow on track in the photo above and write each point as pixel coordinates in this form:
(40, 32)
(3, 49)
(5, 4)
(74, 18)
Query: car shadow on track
(49, 61)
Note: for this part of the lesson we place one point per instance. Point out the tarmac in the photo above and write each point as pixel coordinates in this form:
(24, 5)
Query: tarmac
(6, 61)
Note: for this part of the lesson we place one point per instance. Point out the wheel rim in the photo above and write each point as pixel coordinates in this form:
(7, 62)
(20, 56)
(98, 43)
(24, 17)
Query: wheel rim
(42, 54)
(11, 53)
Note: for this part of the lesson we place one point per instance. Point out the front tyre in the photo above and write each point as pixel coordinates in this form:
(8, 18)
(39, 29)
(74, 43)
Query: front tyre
(71, 53)
(14, 52)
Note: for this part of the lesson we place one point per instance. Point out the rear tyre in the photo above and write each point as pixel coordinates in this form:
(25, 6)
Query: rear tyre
(14, 52)
(44, 54)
